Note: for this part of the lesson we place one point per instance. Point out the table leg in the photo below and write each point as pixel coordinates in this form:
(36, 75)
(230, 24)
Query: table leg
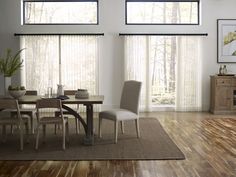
(89, 139)
(77, 116)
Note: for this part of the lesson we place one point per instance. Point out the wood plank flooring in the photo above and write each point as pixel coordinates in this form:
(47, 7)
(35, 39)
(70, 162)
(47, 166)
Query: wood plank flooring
(208, 142)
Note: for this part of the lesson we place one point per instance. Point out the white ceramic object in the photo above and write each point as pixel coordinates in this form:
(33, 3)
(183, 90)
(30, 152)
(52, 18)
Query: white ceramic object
(60, 89)
(82, 94)
(17, 93)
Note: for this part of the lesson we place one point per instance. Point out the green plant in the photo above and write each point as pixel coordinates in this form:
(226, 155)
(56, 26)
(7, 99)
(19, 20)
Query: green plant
(10, 63)
(16, 87)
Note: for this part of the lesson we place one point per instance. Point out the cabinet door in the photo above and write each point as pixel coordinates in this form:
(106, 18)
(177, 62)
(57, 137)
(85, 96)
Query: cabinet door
(223, 98)
(233, 91)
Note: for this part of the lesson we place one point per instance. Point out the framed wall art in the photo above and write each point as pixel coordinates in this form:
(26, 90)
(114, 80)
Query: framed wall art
(226, 41)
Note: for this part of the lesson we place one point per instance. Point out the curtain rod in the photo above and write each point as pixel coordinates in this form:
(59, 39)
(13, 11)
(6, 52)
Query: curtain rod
(163, 34)
(58, 34)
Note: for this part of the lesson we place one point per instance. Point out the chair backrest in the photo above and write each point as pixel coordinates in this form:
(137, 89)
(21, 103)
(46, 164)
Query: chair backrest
(49, 103)
(70, 92)
(46, 106)
(130, 96)
(8, 103)
(31, 92)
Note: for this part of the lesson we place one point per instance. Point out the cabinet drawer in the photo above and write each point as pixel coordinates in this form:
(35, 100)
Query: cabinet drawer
(234, 82)
(223, 81)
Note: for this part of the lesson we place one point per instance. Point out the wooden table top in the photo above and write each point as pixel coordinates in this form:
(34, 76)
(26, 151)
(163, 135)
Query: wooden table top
(93, 99)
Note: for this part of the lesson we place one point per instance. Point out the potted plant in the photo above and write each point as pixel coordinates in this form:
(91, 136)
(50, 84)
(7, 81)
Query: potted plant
(9, 64)
(16, 91)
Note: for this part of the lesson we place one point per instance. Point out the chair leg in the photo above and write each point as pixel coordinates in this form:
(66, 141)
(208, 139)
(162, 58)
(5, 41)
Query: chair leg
(67, 132)
(122, 127)
(116, 131)
(12, 129)
(37, 137)
(4, 133)
(55, 129)
(21, 137)
(44, 132)
(76, 126)
(137, 127)
(100, 127)
(63, 136)
(27, 131)
(32, 123)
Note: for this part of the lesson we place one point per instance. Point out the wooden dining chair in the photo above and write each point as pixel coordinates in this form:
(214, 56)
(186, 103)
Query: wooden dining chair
(77, 124)
(28, 111)
(17, 120)
(128, 110)
(43, 118)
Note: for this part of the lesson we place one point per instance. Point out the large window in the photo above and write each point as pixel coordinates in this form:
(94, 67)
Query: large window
(60, 12)
(169, 68)
(70, 60)
(162, 12)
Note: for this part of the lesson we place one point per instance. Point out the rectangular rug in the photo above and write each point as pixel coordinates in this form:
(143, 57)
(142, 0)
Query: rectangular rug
(154, 144)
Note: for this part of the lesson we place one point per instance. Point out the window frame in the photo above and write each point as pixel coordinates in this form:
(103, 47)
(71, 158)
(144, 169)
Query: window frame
(25, 1)
(198, 11)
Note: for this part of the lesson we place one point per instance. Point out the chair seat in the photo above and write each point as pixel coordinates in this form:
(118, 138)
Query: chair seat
(10, 120)
(52, 120)
(25, 111)
(118, 114)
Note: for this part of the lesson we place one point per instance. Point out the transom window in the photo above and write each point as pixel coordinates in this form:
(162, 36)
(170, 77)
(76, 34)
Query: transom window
(60, 12)
(162, 12)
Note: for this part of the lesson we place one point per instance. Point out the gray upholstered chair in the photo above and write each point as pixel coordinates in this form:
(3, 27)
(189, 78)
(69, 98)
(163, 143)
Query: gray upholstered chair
(44, 118)
(17, 120)
(128, 110)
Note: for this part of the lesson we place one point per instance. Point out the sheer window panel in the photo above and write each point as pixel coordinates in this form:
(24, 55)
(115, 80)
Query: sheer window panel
(137, 66)
(41, 64)
(168, 67)
(189, 73)
(79, 63)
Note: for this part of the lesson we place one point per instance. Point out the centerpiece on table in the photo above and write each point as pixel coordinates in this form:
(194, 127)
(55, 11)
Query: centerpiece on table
(16, 91)
(82, 94)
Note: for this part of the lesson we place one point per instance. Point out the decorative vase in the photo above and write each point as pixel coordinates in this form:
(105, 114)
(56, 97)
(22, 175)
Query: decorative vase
(60, 89)
(7, 83)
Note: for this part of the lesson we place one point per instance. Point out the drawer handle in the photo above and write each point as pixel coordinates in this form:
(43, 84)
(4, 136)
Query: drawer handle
(223, 82)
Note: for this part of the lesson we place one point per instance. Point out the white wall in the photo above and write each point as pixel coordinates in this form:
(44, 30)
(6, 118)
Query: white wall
(111, 22)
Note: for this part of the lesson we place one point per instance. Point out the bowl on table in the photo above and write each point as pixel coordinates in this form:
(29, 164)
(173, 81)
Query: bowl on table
(16, 93)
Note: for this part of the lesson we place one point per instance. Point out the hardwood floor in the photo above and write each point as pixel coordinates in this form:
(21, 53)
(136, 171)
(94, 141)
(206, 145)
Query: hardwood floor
(208, 142)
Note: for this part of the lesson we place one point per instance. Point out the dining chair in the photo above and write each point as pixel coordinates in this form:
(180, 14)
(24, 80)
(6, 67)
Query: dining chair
(77, 124)
(44, 118)
(27, 111)
(17, 120)
(129, 109)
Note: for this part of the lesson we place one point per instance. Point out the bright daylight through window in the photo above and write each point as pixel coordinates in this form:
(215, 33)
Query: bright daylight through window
(169, 68)
(77, 54)
(162, 12)
(61, 12)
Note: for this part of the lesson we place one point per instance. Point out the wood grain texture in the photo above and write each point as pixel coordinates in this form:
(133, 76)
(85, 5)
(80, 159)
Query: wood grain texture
(208, 142)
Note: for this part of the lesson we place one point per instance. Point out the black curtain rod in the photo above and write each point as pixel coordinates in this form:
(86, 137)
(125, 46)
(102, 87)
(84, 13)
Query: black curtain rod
(163, 34)
(162, 0)
(58, 34)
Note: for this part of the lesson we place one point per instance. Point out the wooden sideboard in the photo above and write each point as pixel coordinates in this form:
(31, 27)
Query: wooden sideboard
(223, 94)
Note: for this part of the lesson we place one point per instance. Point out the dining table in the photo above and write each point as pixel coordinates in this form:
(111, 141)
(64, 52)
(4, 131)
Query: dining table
(71, 100)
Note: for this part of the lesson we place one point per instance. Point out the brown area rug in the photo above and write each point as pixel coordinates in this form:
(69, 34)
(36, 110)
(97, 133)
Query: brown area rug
(154, 144)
